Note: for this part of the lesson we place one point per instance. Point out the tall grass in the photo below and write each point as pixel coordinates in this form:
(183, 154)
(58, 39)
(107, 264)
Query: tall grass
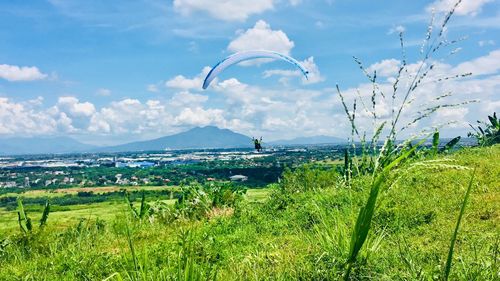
(380, 161)
(24, 221)
(402, 97)
(447, 267)
(143, 209)
(364, 220)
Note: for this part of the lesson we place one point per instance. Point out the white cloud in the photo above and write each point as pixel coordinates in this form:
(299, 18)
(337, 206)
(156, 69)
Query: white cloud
(313, 76)
(481, 86)
(24, 119)
(65, 123)
(261, 37)
(200, 117)
(234, 10)
(121, 117)
(74, 107)
(488, 64)
(490, 107)
(183, 83)
(467, 7)
(457, 117)
(385, 68)
(23, 73)
(187, 99)
(254, 110)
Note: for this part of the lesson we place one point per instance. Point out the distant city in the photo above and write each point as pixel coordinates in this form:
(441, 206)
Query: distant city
(156, 167)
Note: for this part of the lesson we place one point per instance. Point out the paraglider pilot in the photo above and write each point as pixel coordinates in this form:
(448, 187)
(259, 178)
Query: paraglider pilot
(258, 144)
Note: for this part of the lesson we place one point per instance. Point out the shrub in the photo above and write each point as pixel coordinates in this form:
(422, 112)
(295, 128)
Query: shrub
(490, 135)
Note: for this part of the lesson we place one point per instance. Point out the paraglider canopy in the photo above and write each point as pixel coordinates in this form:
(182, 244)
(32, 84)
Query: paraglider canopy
(249, 55)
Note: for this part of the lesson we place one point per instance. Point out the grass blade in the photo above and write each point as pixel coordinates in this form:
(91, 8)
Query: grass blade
(435, 143)
(450, 144)
(131, 205)
(347, 169)
(45, 214)
(22, 218)
(363, 222)
(132, 250)
(447, 268)
(144, 207)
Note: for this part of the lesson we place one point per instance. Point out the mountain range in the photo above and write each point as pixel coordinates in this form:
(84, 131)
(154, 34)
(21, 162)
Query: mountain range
(42, 145)
(199, 137)
(196, 138)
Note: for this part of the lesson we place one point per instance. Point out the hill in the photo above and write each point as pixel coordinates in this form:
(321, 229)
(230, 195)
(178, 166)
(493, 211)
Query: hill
(300, 231)
(42, 145)
(199, 137)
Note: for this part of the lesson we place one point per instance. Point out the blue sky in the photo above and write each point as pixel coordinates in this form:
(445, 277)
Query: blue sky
(109, 72)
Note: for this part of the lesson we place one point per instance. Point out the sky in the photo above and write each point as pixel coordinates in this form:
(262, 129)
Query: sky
(111, 72)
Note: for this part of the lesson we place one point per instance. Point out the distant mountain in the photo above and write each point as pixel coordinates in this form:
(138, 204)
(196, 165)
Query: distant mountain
(309, 140)
(199, 137)
(42, 145)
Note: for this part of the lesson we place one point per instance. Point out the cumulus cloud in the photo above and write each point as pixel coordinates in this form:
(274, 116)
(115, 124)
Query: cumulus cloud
(385, 68)
(255, 110)
(467, 7)
(488, 64)
(481, 87)
(200, 117)
(24, 119)
(314, 75)
(183, 83)
(234, 10)
(74, 107)
(187, 99)
(21, 73)
(456, 116)
(261, 37)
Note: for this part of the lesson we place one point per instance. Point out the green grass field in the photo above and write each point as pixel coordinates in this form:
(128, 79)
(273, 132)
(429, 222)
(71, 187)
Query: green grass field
(273, 234)
(65, 216)
(58, 192)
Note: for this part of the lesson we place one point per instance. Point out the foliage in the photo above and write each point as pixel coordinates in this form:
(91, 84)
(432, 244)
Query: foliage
(197, 201)
(143, 209)
(447, 267)
(378, 161)
(309, 238)
(24, 220)
(490, 135)
(449, 145)
(373, 156)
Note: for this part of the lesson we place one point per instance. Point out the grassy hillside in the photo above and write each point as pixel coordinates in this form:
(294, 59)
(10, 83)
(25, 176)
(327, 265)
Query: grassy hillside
(300, 230)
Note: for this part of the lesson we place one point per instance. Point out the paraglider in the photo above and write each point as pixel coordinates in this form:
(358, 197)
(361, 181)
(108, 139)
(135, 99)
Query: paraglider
(257, 143)
(249, 55)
